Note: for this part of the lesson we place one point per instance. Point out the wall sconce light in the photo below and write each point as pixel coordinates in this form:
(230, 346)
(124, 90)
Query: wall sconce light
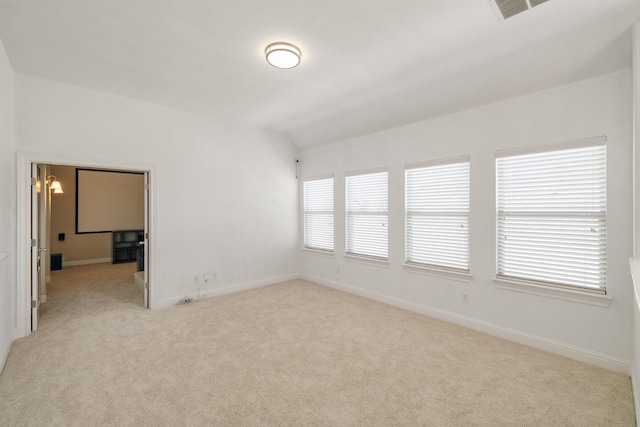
(54, 184)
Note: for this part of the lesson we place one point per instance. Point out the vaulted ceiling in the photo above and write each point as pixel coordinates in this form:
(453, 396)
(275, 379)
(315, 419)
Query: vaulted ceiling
(366, 65)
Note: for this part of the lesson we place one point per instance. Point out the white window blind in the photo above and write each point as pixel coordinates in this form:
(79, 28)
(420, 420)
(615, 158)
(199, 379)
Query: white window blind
(552, 217)
(367, 215)
(437, 215)
(318, 214)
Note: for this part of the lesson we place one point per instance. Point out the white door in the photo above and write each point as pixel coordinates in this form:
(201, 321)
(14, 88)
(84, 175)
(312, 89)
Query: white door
(43, 230)
(146, 239)
(35, 252)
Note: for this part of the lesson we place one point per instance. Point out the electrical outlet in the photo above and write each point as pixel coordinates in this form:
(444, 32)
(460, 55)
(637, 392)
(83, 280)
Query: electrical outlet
(208, 277)
(337, 270)
(465, 298)
(196, 278)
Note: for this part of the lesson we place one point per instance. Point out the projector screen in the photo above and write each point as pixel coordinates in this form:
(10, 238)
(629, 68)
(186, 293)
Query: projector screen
(108, 201)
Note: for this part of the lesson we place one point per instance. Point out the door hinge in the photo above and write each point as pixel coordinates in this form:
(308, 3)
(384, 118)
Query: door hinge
(33, 304)
(146, 186)
(146, 285)
(33, 242)
(146, 236)
(33, 181)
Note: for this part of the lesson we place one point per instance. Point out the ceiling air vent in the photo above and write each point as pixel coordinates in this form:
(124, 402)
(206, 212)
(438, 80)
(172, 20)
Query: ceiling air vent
(509, 8)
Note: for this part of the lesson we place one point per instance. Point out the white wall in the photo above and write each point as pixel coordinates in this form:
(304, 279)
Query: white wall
(225, 196)
(635, 263)
(599, 106)
(7, 208)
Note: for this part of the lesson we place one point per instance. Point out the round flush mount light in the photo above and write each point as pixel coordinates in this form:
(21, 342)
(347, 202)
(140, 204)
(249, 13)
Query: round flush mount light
(282, 55)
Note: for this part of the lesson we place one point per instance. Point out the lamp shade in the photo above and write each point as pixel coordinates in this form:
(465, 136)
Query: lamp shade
(56, 187)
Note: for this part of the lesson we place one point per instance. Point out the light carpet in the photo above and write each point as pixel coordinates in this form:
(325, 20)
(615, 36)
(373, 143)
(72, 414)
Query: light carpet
(291, 354)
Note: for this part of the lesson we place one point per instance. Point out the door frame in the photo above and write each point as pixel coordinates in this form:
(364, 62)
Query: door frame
(38, 246)
(23, 254)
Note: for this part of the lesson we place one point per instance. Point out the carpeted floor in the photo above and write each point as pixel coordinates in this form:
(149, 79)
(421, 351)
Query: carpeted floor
(291, 354)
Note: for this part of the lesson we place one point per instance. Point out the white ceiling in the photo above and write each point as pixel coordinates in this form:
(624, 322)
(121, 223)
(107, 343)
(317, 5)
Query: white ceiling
(366, 65)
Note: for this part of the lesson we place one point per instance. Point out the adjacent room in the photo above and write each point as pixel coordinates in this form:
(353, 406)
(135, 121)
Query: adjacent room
(346, 213)
(97, 216)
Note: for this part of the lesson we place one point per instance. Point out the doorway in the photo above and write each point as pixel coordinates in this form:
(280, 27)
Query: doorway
(33, 248)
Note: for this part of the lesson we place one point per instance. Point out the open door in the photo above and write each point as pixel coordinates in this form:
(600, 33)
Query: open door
(146, 240)
(37, 188)
(44, 213)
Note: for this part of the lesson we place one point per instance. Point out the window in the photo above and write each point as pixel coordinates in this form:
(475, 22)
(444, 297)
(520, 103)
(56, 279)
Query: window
(367, 228)
(437, 214)
(318, 214)
(551, 216)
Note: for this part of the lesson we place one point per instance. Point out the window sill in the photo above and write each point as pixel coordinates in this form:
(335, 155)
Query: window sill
(438, 272)
(366, 260)
(552, 292)
(318, 252)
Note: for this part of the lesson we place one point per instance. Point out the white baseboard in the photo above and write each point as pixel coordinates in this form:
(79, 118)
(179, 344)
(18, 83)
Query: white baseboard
(4, 354)
(138, 277)
(602, 360)
(636, 391)
(86, 262)
(167, 302)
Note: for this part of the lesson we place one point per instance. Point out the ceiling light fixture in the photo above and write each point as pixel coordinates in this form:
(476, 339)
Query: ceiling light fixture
(282, 55)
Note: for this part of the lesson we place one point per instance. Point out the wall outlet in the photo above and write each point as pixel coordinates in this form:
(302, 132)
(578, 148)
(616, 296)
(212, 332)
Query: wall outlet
(464, 297)
(337, 270)
(208, 277)
(196, 279)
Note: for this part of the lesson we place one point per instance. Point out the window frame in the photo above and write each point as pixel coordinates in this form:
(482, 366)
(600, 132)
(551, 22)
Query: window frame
(307, 213)
(449, 270)
(349, 252)
(532, 285)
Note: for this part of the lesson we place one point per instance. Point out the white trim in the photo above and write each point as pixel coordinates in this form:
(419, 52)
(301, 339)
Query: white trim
(636, 392)
(437, 272)
(634, 266)
(4, 355)
(23, 170)
(438, 162)
(318, 177)
(578, 143)
(23, 258)
(319, 252)
(4, 352)
(168, 302)
(381, 169)
(567, 350)
(87, 262)
(526, 287)
(363, 259)
(138, 277)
